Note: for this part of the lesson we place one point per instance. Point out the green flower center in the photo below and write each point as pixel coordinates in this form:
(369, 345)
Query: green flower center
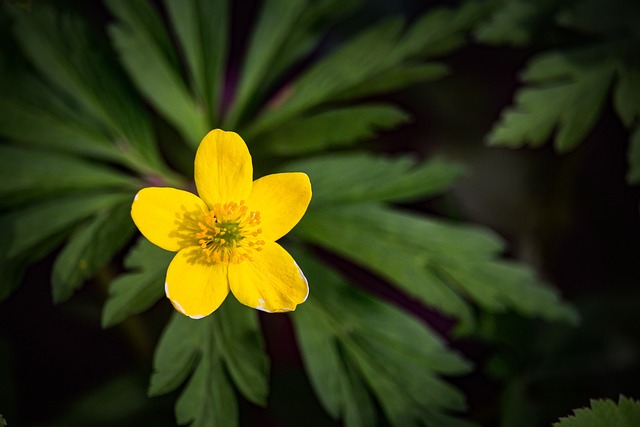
(229, 233)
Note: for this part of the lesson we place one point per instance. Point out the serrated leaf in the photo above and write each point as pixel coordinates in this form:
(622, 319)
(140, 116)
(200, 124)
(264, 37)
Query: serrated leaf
(229, 338)
(90, 249)
(566, 92)
(208, 399)
(625, 95)
(437, 263)
(400, 248)
(355, 177)
(345, 322)
(604, 413)
(139, 289)
(201, 27)
(497, 286)
(633, 158)
(27, 174)
(145, 52)
(334, 128)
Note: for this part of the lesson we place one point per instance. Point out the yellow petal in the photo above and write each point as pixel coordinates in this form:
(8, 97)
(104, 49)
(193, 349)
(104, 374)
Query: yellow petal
(273, 282)
(223, 169)
(282, 200)
(168, 217)
(195, 287)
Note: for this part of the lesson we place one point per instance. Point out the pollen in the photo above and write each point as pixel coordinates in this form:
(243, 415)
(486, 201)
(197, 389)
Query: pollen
(230, 233)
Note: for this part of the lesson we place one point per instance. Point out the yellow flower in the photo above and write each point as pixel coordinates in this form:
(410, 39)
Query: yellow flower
(226, 238)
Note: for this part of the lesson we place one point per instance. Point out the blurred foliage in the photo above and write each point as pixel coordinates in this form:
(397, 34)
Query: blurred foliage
(593, 54)
(91, 114)
(626, 413)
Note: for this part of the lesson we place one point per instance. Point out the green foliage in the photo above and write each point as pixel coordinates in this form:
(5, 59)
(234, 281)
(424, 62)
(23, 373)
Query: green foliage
(440, 264)
(90, 248)
(334, 128)
(566, 88)
(145, 51)
(27, 175)
(62, 50)
(604, 413)
(80, 139)
(28, 233)
(357, 177)
(357, 348)
(201, 27)
(139, 289)
(377, 54)
(516, 22)
(226, 346)
(566, 96)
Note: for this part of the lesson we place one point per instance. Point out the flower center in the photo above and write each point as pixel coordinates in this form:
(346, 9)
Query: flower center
(229, 233)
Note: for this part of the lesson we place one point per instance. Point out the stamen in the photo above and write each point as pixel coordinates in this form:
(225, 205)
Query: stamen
(229, 234)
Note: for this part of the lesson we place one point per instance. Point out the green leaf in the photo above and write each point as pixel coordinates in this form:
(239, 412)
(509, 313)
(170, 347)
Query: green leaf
(226, 344)
(604, 413)
(355, 62)
(367, 57)
(139, 289)
(334, 128)
(633, 158)
(22, 230)
(145, 52)
(391, 260)
(397, 79)
(440, 264)
(516, 22)
(242, 348)
(277, 21)
(566, 91)
(64, 52)
(28, 234)
(32, 116)
(625, 99)
(90, 249)
(208, 399)
(354, 344)
(355, 177)
(201, 27)
(27, 174)
(440, 31)
(176, 353)
(498, 285)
